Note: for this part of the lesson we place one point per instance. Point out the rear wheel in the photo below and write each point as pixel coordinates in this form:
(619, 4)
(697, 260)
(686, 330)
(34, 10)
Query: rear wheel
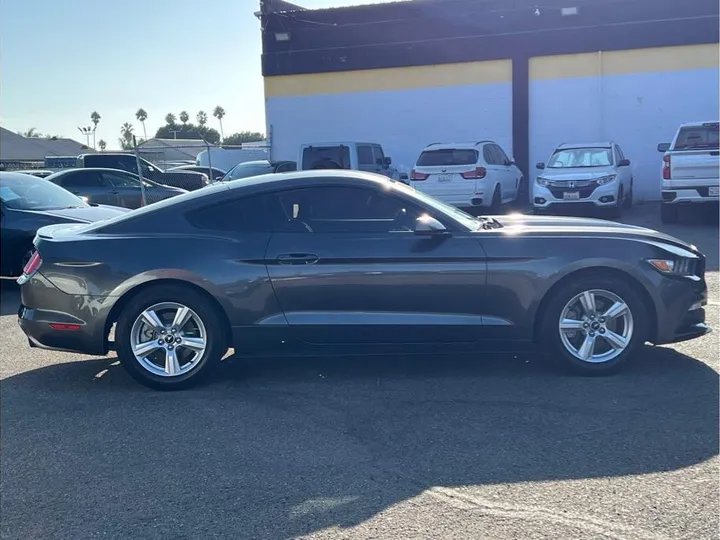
(669, 213)
(170, 337)
(496, 202)
(594, 325)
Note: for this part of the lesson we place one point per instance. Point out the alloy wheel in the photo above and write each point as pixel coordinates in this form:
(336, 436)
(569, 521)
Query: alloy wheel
(168, 339)
(596, 326)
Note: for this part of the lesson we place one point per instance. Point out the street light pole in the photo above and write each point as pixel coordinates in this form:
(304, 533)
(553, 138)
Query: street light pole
(87, 131)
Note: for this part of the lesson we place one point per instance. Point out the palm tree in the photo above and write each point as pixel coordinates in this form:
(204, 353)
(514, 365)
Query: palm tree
(219, 113)
(95, 118)
(170, 119)
(31, 133)
(201, 118)
(141, 116)
(184, 117)
(102, 144)
(126, 130)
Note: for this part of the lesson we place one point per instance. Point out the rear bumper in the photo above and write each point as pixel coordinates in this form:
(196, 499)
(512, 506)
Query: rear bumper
(81, 319)
(689, 195)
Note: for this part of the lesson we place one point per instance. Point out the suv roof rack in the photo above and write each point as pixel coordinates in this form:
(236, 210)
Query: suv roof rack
(483, 141)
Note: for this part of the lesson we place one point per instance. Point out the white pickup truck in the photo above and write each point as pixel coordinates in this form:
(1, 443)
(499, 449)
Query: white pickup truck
(691, 168)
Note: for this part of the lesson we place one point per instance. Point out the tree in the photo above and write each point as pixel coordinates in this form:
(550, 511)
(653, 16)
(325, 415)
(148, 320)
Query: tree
(188, 131)
(184, 117)
(243, 136)
(95, 118)
(219, 113)
(126, 130)
(201, 118)
(102, 144)
(31, 133)
(170, 119)
(141, 116)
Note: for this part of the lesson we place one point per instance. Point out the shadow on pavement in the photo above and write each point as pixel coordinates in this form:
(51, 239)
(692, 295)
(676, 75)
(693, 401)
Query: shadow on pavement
(283, 448)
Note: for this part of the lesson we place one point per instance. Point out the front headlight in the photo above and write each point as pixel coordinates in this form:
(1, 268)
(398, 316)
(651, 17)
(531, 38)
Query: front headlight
(675, 267)
(541, 181)
(606, 179)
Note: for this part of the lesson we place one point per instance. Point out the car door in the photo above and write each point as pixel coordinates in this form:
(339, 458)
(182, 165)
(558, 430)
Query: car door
(128, 189)
(89, 183)
(366, 159)
(624, 173)
(349, 268)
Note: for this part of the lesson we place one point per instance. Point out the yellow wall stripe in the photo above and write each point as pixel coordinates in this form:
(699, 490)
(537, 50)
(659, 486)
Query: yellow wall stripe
(625, 62)
(368, 80)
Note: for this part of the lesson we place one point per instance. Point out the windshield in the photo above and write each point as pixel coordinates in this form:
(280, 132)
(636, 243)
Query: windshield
(244, 170)
(458, 215)
(581, 157)
(26, 192)
(705, 136)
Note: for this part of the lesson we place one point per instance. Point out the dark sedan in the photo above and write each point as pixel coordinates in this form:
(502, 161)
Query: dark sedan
(257, 168)
(112, 186)
(28, 203)
(302, 262)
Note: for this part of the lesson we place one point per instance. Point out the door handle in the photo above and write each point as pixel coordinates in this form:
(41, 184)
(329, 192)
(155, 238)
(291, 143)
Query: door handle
(297, 258)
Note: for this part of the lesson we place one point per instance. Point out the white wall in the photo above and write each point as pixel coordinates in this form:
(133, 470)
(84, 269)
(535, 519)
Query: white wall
(403, 121)
(637, 110)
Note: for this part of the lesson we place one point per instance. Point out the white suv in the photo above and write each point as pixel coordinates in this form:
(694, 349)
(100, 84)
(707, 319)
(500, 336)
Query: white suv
(468, 175)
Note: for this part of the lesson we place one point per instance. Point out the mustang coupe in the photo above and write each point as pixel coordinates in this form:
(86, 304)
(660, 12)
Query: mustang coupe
(301, 262)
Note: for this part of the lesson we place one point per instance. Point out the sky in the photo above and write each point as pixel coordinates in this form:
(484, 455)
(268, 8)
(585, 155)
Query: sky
(60, 60)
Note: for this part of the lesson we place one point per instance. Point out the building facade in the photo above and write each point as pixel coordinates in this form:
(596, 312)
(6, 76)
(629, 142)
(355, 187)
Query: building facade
(406, 74)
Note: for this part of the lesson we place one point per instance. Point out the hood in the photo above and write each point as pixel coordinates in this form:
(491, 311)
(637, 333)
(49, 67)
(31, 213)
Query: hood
(86, 214)
(530, 224)
(576, 173)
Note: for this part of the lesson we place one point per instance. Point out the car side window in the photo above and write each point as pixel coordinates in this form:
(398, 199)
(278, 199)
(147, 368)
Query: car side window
(619, 151)
(254, 213)
(82, 179)
(491, 157)
(286, 166)
(378, 155)
(365, 155)
(343, 209)
(501, 155)
(121, 180)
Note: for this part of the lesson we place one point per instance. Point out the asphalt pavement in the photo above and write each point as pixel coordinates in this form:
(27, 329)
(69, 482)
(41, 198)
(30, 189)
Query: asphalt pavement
(496, 447)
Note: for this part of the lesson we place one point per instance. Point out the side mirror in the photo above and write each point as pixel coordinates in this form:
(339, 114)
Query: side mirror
(663, 147)
(388, 161)
(429, 226)
(403, 176)
(624, 163)
(511, 162)
(540, 165)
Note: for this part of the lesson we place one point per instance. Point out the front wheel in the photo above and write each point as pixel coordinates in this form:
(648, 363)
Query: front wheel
(594, 325)
(170, 337)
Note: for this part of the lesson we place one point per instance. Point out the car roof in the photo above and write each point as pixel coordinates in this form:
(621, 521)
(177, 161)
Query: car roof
(456, 145)
(300, 178)
(11, 175)
(602, 144)
(699, 124)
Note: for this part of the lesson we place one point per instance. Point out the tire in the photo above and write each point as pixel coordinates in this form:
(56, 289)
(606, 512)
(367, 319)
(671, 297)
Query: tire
(616, 211)
(496, 202)
(631, 324)
(193, 366)
(628, 199)
(669, 213)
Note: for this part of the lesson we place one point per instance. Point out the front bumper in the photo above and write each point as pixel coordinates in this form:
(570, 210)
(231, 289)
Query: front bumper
(586, 194)
(73, 323)
(682, 310)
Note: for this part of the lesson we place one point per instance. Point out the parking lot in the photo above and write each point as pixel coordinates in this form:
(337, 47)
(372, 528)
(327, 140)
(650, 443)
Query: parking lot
(413, 447)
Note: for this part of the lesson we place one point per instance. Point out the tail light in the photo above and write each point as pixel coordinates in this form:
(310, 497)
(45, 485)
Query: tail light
(479, 172)
(414, 175)
(666, 168)
(32, 266)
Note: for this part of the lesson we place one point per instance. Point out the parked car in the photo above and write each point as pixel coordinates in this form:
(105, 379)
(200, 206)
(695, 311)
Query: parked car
(213, 173)
(471, 176)
(112, 186)
(28, 203)
(256, 168)
(359, 156)
(188, 180)
(596, 175)
(283, 263)
(691, 168)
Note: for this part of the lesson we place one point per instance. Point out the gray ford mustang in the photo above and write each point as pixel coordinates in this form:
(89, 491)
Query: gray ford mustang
(310, 261)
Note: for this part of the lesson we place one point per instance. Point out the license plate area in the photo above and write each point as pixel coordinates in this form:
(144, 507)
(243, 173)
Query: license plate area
(445, 177)
(571, 195)
(713, 191)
